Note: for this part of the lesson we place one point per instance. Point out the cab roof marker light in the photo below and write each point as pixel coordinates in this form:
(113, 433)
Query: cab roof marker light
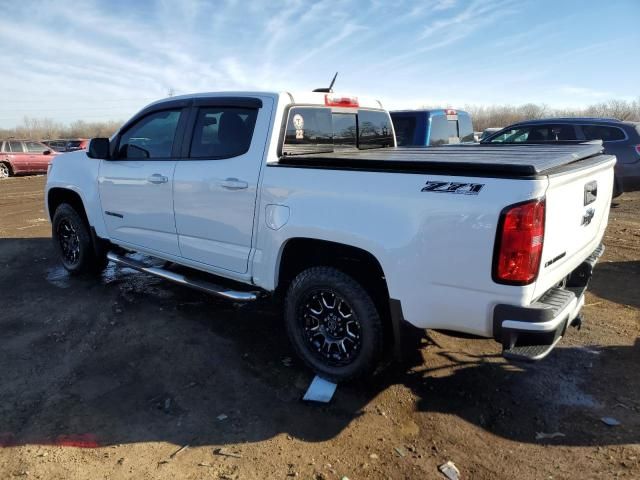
(331, 100)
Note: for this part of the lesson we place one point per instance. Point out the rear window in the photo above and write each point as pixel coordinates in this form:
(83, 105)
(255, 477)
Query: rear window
(319, 130)
(375, 129)
(465, 128)
(600, 132)
(443, 131)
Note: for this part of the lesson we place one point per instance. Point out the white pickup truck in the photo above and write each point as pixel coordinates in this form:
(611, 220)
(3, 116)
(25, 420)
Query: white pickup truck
(246, 195)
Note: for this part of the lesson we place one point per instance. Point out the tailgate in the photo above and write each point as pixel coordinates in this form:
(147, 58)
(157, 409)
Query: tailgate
(578, 200)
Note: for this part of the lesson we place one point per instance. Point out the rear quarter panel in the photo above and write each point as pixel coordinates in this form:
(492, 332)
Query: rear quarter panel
(435, 249)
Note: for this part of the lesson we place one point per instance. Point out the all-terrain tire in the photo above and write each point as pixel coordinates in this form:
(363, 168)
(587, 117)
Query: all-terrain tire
(362, 321)
(72, 241)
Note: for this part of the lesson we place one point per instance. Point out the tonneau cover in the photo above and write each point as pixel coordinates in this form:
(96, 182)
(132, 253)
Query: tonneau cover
(492, 159)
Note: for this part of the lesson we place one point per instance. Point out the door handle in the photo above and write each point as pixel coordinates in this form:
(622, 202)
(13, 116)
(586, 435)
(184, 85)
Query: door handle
(234, 184)
(157, 178)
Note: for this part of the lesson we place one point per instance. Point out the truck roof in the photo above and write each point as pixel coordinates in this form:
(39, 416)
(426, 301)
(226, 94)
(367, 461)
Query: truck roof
(311, 98)
(431, 111)
(500, 160)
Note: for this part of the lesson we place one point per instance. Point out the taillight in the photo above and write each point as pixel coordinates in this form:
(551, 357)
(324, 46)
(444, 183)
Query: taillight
(335, 101)
(516, 260)
(638, 149)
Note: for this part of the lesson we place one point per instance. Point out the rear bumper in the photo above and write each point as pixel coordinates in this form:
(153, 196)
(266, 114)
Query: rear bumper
(531, 332)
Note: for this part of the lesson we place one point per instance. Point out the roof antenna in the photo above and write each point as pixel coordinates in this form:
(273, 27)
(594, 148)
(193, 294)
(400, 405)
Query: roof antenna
(330, 89)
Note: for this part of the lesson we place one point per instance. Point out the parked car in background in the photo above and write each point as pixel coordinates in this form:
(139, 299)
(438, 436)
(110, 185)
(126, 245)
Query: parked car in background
(487, 132)
(56, 145)
(24, 156)
(420, 128)
(619, 138)
(77, 144)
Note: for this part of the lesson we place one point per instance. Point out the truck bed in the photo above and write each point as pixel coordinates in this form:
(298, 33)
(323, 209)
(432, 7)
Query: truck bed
(496, 160)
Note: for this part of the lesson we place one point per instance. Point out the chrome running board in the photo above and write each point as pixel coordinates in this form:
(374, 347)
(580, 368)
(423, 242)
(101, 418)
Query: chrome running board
(202, 285)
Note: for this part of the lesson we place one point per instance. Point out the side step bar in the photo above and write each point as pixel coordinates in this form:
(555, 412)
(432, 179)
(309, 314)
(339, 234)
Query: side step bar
(202, 285)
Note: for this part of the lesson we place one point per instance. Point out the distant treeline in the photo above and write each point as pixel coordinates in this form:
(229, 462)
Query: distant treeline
(48, 129)
(503, 115)
(482, 116)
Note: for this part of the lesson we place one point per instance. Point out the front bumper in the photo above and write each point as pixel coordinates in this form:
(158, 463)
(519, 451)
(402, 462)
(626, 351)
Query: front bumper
(531, 332)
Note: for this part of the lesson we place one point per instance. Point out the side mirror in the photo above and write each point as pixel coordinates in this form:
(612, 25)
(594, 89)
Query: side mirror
(98, 148)
(47, 152)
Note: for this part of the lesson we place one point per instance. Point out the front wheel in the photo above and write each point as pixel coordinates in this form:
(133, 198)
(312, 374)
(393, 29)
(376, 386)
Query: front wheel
(72, 240)
(333, 324)
(5, 170)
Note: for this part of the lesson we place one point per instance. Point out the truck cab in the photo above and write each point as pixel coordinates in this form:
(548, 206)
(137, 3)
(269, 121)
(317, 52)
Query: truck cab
(429, 128)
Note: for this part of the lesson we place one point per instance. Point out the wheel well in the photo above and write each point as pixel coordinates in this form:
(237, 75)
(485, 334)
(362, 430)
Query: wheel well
(58, 196)
(301, 253)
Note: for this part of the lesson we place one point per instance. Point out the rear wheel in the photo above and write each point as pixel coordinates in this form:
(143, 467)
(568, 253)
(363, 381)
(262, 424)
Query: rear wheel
(333, 324)
(72, 240)
(5, 170)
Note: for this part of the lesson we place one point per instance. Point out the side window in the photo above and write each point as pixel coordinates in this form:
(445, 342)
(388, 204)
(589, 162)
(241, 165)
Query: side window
(16, 147)
(150, 137)
(35, 147)
(600, 132)
(552, 133)
(223, 132)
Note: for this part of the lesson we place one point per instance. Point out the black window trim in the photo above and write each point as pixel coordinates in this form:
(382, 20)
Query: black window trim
(592, 124)
(212, 102)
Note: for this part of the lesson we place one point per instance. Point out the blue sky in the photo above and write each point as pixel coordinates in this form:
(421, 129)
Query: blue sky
(71, 60)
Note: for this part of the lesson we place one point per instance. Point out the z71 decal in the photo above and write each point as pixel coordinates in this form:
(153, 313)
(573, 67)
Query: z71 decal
(453, 187)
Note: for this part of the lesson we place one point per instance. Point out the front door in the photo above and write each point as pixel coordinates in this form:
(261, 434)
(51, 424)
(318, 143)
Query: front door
(215, 186)
(136, 189)
(38, 160)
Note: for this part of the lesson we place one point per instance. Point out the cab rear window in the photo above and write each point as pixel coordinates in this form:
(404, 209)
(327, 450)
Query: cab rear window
(319, 130)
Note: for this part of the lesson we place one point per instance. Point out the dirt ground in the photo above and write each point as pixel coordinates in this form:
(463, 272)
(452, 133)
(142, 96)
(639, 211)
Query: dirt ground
(109, 377)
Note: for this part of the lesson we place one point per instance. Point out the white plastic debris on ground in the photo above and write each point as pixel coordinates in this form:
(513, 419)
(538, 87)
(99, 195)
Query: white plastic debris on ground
(450, 470)
(320, 390)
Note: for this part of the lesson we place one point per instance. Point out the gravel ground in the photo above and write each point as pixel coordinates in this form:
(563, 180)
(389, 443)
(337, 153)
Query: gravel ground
(111, 376)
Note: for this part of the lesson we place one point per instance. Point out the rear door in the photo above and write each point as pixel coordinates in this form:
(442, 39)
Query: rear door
(19, 157)
(216, 181)
(136, 189)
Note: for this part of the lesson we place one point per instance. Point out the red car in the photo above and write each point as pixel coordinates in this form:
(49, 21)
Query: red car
(24, 156)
